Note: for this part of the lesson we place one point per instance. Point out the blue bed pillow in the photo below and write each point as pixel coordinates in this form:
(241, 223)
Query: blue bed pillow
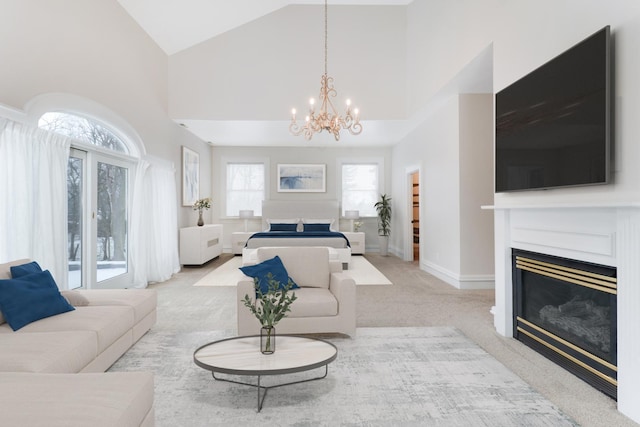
(316, 227)
(273, 266)
(29, 298)
(24, 269)
(283, 227)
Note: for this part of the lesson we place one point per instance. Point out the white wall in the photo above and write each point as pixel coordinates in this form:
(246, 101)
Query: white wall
(444, 36)
(476, 187)
(331, 157)
(96, 51)
(453, 148)
(240, 74)
(525, 48)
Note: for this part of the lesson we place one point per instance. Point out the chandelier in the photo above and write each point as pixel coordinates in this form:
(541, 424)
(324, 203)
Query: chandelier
(327, 118)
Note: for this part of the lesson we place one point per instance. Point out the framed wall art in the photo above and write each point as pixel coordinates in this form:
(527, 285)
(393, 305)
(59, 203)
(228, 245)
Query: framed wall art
(302, 178)
(190, 176)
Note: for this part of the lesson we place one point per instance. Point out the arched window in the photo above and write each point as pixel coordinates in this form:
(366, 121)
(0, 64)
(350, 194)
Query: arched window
(99, 174)
(82, 129)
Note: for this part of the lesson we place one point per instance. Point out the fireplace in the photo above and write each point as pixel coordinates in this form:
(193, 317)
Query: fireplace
(566, 310)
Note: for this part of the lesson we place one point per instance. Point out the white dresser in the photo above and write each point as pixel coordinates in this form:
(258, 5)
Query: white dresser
(200, 244)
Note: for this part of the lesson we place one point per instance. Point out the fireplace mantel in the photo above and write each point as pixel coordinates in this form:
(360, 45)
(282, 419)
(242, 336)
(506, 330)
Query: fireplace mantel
(606, 233)
(581, 205)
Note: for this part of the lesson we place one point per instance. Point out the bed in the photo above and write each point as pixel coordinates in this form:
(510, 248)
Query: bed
(300, 223)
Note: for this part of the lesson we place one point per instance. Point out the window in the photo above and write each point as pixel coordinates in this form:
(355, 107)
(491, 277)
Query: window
(245, 188)
(360, 187)
(82, 129)
(98, 180)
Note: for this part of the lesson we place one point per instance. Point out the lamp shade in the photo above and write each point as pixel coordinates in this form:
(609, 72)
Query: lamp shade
(352, 214)
(246, 213)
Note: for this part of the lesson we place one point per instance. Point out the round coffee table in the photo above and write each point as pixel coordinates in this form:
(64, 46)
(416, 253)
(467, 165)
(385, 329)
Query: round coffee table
(242, 356)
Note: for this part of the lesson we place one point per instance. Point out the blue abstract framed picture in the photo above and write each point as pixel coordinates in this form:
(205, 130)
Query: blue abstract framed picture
(309, 178)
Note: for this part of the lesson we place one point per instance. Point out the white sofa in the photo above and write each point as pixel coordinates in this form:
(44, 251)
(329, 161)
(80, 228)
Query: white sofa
(326, 300)
(52, 370)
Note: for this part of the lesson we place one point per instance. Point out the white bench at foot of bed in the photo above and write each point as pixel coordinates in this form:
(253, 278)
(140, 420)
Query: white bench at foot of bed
(249, 256)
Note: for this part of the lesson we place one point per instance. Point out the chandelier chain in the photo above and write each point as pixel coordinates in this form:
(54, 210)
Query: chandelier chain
(325, 36)
(327, 118)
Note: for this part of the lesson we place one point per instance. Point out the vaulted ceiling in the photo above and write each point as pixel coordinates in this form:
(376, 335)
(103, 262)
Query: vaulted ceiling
(176, 25)
(237, 67)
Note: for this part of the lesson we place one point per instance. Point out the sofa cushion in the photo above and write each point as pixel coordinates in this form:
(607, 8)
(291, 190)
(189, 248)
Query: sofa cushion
(75, 298)
(122, 399)
(29, 298)
(108, 322)
(308, 266)
(5, 273)
(261, 272)
(5, 269)
(313, 302)
(24, 269)
(51, 352)
(143, 301)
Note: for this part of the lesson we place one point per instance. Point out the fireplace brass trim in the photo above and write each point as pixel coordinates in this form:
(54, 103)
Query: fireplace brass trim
(567, 343)
(571, 358)
(572, 275)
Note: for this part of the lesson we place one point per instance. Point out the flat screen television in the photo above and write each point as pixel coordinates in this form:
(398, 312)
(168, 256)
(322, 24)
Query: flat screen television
(553, 126)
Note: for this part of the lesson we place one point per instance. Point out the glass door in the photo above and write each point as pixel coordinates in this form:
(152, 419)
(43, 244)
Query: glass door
(75, 213)
(97, 220)
(110, 237)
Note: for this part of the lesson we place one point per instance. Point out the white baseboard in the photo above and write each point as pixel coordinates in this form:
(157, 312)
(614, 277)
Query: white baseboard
(480, 281)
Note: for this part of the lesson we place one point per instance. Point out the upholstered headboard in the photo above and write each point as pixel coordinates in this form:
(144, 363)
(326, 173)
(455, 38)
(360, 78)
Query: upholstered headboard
(283, 209)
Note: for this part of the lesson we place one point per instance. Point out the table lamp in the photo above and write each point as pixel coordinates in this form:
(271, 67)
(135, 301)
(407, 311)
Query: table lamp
(352, 215)
(246, 214)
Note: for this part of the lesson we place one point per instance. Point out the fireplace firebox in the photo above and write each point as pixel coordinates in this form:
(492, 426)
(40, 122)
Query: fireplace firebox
(566, 310)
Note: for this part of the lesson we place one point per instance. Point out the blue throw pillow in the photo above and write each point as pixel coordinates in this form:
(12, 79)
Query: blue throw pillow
(29, 298)
(273, 266)
(23, 269)
(283, 227)
(316, 227)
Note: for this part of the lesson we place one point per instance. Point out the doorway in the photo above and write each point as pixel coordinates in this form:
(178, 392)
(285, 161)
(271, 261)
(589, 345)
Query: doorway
(98, 205)
(415, 214)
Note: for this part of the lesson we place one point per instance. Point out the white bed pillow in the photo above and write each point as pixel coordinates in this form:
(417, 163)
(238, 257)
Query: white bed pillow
(329, 221)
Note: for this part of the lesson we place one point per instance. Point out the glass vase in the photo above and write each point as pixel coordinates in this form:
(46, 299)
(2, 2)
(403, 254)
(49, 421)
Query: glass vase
(268, 339)
(200, 220)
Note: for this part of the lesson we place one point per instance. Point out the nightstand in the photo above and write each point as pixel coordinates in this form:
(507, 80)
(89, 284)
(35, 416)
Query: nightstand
(356, 240)
(238, 240)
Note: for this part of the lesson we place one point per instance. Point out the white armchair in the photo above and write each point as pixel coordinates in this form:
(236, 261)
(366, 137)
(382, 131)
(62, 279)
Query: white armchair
(326, 299)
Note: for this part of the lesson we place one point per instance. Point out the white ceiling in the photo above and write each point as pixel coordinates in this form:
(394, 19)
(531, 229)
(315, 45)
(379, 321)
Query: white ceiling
(176, 25)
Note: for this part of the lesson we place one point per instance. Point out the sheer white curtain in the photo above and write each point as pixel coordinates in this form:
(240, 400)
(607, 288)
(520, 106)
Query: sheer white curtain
(154, 234)
(33, 191)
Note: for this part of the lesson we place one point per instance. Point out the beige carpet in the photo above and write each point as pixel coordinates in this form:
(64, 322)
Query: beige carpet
(228, 274)
(422, 377)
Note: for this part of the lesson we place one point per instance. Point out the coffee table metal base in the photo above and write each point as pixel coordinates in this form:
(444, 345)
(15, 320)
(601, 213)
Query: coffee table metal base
(240, 356)
(261, 388)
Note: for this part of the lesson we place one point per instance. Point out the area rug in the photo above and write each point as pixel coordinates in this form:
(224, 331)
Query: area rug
(361, 270)
(382, 377)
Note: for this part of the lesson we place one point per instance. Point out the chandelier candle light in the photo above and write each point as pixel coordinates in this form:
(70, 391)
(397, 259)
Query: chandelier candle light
(327, 118)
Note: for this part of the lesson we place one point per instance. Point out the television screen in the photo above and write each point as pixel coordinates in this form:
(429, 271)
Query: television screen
(553, 125)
